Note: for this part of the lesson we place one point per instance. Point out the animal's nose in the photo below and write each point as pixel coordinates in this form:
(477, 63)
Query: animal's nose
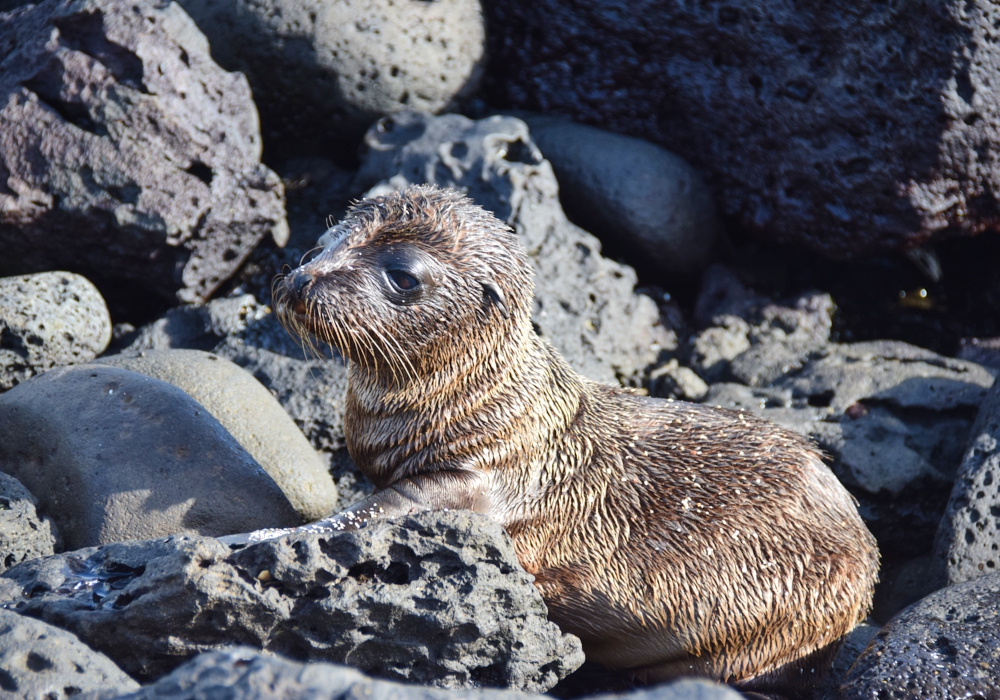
(297, 283)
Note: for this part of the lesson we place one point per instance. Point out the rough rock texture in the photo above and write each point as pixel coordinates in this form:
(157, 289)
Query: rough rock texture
(968, 540)
(584, 304)
(984, 351)
(853, 645)
(322, 72)
(946, 646)
(751, 338)
(23, 535)
(893, 417)
(251, 415)
(642, 201)
(245, 674)
(671, 381)
(848, 127)
(125, 151)
(113, 455)
(317, 190)
(891, 413)
(49, 319)
(38, 660)
(437, 598)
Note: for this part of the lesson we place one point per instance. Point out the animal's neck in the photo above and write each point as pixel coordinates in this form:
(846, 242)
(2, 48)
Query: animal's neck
(477, 412)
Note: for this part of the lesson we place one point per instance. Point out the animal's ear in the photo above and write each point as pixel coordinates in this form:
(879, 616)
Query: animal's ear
(496, 296)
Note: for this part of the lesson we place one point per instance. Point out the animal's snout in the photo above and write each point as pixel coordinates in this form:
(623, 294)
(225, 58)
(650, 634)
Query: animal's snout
(297, 284)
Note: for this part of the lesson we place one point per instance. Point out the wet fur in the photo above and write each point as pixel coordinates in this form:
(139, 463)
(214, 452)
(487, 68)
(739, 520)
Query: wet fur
(672, 538)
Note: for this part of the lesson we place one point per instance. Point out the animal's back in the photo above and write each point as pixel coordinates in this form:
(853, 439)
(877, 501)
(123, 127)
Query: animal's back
(722, 535)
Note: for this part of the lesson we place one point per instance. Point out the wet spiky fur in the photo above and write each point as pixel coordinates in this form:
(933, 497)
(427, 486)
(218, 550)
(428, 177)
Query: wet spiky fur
(672, 538)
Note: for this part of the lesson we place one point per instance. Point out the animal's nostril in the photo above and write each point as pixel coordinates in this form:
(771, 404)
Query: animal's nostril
(297, 283)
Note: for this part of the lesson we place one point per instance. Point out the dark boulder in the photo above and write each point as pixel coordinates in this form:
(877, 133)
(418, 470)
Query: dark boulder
(946, 646)
(126, 153)
(849, 127)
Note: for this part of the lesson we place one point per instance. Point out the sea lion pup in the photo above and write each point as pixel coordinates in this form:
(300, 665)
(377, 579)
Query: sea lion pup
(674, 539)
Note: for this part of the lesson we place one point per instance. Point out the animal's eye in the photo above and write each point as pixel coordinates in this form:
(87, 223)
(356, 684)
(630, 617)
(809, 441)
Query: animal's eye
(402, 281)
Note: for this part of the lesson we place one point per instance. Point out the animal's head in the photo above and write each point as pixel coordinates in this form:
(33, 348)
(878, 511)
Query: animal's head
(405, 278)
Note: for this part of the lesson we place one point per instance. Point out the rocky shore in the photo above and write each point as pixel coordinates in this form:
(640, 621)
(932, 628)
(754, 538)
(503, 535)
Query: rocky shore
(818, 246)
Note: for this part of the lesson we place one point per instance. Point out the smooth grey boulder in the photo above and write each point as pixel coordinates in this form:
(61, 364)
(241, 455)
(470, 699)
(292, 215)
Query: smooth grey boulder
(849, 129)
(437, 598)
(641, 200)
(248, 411)
(322, 72)
(38, 660)
(968, 539)
(125, 151)
(113, 455)
(245, 674)
(946, 646)
(585, 304)
(23, 534)
(49, 319)
(311, 389)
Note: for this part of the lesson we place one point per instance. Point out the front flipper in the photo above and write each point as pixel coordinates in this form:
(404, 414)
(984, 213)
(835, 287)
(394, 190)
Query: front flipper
(442, 490)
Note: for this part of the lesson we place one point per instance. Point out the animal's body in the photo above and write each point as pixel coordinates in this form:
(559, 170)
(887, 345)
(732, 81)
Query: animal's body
(674, 539)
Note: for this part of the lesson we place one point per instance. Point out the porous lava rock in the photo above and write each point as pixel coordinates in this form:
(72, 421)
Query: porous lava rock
(893, 417)
(38, 660)
(968, 540)
(248, 411)
(946, 646)
(245, 674)
(437, 598)
(585, 304)
(49, 319)
(125, 151)
(114, 455)
(23, 534)
(849, 127)
(322, 72)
